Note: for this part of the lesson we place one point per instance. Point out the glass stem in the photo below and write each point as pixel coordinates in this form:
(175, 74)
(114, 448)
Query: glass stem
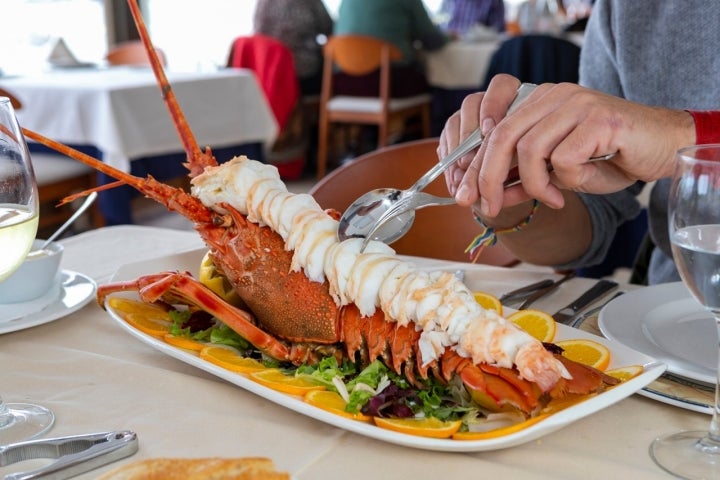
(714, 432)
(6, 418)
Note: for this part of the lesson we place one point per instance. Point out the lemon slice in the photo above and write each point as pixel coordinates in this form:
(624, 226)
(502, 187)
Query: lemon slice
(211, 277)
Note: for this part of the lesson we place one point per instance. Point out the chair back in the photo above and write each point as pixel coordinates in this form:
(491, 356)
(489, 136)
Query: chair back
(274, 67)
(537, 59)
(438, 232)
(359, 55)
(132, 53)
(16, 104)
(273, 64)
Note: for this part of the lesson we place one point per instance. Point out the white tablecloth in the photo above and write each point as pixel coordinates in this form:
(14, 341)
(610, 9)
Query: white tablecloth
(460, 64)
(120, 110)
(96, 377)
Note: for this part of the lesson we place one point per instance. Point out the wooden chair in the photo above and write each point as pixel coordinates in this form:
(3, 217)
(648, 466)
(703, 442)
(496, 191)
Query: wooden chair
(359, 55)
(438, 232)
(57, 177)
(132, 53)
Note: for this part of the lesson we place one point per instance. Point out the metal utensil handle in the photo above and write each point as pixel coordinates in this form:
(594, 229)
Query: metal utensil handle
(473, 141)
(601, 287)
(415, 201)
(88, 201)
(534, 297)
(513, 177)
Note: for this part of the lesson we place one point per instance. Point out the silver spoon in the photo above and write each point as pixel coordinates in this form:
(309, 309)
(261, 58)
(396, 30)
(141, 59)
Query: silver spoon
(88, 201)
(386, 214)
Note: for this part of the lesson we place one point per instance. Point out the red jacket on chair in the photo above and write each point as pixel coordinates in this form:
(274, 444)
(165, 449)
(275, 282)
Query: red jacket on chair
(274, 67)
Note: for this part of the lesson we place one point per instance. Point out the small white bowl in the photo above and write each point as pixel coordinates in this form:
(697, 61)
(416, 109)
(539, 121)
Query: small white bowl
(34, 278)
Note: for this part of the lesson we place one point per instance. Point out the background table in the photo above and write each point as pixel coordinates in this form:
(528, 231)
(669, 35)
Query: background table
(120, 110)
(460, 64)
(96, 377)
(117, 114)
(453, 72)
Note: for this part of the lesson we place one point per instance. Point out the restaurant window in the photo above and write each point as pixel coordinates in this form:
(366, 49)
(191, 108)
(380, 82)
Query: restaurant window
(31, 28)
(197, 35)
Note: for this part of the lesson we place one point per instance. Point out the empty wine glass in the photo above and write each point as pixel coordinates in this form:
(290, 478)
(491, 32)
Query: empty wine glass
(694, 222)
(18, 226)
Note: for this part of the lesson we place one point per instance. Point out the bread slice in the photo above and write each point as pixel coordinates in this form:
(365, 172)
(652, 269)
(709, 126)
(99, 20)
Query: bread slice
(248, 468)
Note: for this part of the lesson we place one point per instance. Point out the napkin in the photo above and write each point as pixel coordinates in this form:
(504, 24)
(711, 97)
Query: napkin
(16, 311)
(61, 57)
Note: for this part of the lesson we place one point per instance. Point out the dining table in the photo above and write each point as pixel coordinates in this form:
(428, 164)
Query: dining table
(96, 377)
(120, 109)
(117, 114)
(460, 64)
(455, 71)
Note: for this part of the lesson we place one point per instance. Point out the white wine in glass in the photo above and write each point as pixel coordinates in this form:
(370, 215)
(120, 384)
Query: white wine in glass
(18, 227)
(694, 223)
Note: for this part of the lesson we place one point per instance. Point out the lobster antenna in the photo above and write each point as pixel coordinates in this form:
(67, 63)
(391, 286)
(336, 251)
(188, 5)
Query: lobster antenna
(197, 161)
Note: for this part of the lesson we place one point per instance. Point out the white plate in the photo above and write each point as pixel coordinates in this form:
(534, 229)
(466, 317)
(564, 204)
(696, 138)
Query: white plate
(74, 292)
(665, 322)
(621, 355)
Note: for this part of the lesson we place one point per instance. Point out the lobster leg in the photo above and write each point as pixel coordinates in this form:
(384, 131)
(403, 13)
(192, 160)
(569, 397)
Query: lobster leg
(173, 198)
(181, 286)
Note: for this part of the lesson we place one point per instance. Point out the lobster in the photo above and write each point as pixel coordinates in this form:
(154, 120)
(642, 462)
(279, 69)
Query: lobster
(293, 318)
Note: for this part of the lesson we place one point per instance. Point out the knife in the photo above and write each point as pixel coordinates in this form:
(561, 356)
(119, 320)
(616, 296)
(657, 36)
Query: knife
(523, 292)
(565, 315)
(535, 296)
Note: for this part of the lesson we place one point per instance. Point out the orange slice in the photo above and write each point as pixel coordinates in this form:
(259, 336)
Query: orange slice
(625, 373)
(588, 352)
(184, 342)
(230, 359)
(537, 323)
(155, 327)
(488, 301)
(275, 379)
(127, 306)
(333, 402)
(498, 432)
(424, 427)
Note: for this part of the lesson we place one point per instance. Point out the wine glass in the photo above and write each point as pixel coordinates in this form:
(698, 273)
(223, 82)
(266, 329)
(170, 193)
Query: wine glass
(18, 226)
(694, 223)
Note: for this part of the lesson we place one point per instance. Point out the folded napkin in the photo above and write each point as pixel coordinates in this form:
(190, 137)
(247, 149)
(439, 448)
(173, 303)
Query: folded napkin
(62, 57)
(16, 311)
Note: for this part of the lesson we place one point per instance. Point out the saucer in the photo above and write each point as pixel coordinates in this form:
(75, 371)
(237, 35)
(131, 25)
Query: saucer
(73, 291)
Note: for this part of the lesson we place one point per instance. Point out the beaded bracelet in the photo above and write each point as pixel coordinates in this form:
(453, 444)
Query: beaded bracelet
(488, 235)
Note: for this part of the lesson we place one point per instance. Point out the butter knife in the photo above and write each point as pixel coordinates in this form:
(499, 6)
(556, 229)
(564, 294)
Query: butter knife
(566, 314)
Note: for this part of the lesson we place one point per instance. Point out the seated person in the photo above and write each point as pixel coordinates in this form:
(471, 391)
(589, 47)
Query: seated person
(297, 24)
(462, 15)
(400, 22)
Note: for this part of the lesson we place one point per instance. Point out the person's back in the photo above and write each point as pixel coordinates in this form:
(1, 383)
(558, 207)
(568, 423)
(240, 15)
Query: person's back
(463, 15)
(656, 53)
(400, 22)
(297, 24)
